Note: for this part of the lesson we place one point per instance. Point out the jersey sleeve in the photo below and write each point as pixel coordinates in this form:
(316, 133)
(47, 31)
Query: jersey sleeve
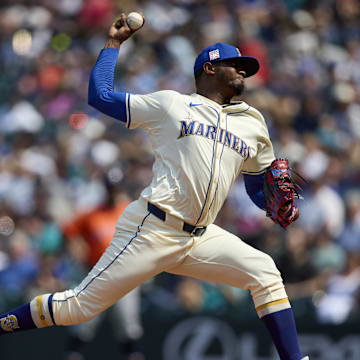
(101, 94)
(257, 163)
(148, 111)
(143, 111)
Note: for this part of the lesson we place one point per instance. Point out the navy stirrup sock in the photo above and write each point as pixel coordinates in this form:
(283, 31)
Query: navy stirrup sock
(37, 313)
(17, 320)
(281, 325)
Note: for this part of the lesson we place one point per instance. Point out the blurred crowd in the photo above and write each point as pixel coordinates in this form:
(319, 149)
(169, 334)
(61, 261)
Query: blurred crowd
(56, 151)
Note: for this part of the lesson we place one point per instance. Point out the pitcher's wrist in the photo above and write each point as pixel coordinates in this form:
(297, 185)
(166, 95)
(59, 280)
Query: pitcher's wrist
(112, 43)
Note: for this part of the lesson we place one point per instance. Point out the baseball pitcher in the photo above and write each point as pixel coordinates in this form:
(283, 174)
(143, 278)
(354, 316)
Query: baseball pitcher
(201, 143)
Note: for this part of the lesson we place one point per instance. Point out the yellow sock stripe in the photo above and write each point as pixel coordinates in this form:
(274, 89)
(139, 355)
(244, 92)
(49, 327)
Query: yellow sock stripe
(272, 303)
(40, 311)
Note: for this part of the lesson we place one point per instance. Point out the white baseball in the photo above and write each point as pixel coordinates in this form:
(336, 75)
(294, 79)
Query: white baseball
(134, 20)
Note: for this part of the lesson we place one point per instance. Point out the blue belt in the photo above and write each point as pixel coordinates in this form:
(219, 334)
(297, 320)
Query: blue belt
(160, 214)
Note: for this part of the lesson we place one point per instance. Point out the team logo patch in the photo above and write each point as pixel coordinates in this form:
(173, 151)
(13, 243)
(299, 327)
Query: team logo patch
(276, 172)
(9, 323)
(214, 54)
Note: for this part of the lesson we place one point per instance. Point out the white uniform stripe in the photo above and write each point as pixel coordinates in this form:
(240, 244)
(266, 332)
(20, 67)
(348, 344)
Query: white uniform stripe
(40, 313)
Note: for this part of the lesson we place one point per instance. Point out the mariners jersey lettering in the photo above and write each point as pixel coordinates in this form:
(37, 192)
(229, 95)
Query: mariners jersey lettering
(225, 137)
(200, 148)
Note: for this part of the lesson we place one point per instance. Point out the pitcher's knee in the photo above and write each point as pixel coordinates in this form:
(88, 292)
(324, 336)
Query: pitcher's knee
(68, 309)
(267, 284)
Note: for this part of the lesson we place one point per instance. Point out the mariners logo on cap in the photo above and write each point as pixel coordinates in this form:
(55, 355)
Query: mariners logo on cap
(214, 54)
(9, 323)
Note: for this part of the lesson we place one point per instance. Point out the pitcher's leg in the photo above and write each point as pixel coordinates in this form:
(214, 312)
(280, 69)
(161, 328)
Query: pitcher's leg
(112, 277)
(219, 256)
(122, 267)
(127, 262)
(143, 246)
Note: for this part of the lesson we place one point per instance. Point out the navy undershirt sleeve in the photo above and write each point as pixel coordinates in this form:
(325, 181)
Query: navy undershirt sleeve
(254, 188)
(101, 93)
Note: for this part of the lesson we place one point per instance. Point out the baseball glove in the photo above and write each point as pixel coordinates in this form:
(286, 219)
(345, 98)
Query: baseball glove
(280, 192)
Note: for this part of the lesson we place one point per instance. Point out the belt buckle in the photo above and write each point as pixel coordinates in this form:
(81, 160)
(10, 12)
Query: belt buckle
(198, 231)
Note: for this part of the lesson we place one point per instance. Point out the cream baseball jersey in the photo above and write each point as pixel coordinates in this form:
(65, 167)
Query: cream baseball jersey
(200, 148)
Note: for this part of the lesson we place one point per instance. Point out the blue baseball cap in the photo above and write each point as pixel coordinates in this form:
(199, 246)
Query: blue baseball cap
(221, 51)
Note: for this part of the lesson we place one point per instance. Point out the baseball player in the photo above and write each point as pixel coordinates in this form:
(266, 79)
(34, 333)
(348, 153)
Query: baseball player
(201, 143)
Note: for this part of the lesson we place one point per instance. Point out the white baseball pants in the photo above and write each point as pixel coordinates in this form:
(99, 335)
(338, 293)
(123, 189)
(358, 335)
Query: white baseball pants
(144, 246)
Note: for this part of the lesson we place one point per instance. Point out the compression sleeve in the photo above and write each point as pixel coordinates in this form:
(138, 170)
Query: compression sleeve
(101, 93)
(254, 188)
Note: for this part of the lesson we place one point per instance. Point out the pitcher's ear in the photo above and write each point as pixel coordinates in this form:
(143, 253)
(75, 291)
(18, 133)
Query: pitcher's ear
(208, 68)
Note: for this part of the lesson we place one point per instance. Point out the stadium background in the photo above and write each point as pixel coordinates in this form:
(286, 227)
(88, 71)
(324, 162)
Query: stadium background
(55, 151)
